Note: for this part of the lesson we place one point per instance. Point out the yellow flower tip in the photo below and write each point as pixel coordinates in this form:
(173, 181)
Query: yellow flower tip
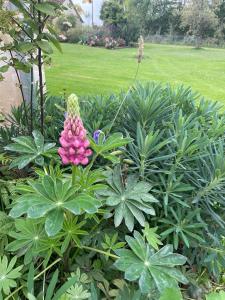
(73, 97)
(140, 48)
(73, 109)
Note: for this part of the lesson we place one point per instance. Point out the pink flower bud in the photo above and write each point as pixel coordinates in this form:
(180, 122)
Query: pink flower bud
(61, 151)
(76, 143)
(76, 161)
(65, 160)
(86, 143)
(70, 134)
(72, 151)
(81, 150)
(64, 143)
(88, 152)
(84, 161)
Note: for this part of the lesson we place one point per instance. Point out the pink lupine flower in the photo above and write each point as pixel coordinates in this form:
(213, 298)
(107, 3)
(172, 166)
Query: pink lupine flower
(74, 143)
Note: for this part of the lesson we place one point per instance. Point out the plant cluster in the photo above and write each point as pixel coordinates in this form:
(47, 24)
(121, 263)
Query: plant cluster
(146, 204)
(198, 19)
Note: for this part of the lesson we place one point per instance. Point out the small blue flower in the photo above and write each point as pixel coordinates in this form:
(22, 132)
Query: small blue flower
(99, 136)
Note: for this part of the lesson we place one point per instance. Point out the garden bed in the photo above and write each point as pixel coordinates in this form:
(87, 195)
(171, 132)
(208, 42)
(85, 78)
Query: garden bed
(136, 198)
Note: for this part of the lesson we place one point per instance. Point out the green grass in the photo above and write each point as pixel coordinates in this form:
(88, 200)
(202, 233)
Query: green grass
(86, 70)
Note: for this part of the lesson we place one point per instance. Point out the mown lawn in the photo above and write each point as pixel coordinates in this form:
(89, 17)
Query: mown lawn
(86, 70)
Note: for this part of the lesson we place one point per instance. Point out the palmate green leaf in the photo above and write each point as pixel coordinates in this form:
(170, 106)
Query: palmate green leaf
(151, 236)
(8, 274)
(50, 198)
(76, 292)
(130, 201)
(151, 269)
(30, 150)
(28, 235)
(72, 229)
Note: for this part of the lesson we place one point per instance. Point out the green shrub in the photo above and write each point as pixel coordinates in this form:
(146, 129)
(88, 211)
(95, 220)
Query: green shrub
(64, 22)
(75, 35)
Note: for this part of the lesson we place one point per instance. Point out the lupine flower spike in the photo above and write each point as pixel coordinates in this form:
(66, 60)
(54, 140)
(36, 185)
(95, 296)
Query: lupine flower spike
(74, 143)
(140, 49)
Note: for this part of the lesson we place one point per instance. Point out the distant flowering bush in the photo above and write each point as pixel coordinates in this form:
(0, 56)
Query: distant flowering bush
(62, 37)
(95, 41)
(74, 143)
(108, 42)
(121, 42)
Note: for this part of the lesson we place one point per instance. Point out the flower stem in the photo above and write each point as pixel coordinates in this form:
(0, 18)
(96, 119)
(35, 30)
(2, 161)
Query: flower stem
(100, 251)
(124, 99)
(74, 172)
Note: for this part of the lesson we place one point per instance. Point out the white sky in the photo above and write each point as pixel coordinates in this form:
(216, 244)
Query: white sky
(87, 9)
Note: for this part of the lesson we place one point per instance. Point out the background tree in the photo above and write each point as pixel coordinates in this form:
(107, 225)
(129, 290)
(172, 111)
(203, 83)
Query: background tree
(220, 13)
(200, 20)
(154, 15)
(113, 16)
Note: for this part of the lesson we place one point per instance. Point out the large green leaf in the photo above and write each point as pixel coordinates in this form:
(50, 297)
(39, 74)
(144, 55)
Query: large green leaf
(30, 236)
(151, 269)
(50, 198)
(130, 201)
(30, 150)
